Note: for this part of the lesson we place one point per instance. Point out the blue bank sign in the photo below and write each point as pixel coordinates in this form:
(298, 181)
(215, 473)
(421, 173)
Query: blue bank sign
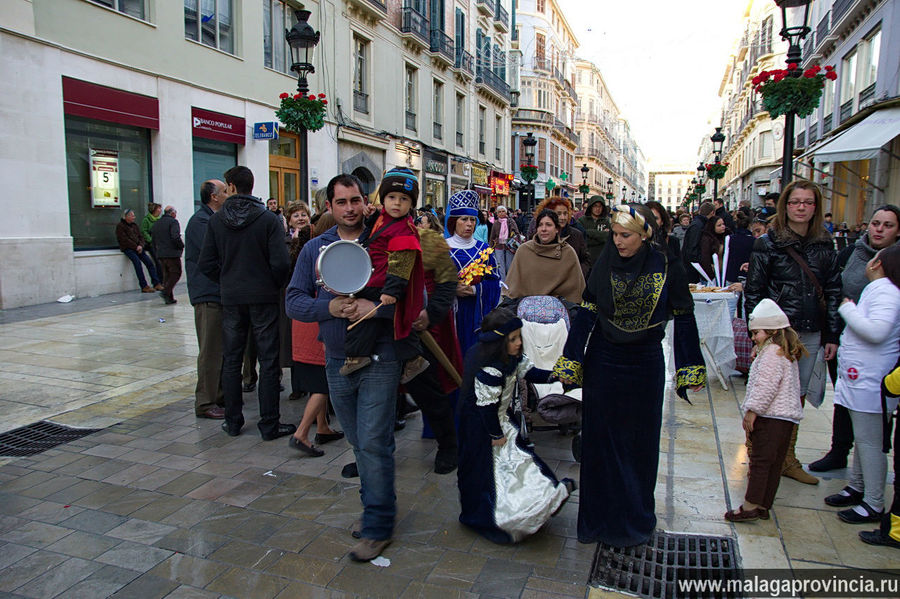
(265, 130)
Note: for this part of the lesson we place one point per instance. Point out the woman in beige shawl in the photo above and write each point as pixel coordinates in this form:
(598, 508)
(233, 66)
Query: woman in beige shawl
(546, 265)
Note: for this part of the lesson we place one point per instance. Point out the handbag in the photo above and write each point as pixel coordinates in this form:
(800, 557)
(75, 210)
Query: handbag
(512, 244)
(815, 392)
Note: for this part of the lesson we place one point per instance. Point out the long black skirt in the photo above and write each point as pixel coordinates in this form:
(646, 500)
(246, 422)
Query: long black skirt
(621, 420)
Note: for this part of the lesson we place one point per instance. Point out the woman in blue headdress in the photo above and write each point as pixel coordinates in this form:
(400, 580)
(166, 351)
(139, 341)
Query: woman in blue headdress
(474, 300)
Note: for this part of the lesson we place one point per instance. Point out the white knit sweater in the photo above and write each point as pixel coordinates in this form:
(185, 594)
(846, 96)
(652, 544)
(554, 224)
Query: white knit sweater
(773, 386)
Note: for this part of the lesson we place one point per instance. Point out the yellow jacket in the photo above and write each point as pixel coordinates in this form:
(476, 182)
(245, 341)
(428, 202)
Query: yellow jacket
(892, 382)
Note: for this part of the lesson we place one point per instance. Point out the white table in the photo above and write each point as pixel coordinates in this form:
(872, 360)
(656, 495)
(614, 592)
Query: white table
(713, 312)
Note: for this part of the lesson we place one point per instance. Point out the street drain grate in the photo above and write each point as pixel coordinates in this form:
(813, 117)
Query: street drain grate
(39, 437)
(652, 570)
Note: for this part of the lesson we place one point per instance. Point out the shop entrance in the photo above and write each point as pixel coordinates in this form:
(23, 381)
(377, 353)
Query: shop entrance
(284, 169)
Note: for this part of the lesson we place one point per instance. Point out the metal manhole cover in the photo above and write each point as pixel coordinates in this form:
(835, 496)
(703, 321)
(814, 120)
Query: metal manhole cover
(38, 437)
(653, 570)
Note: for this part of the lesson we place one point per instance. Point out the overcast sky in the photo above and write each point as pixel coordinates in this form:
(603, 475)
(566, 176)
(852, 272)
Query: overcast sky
(663, 61)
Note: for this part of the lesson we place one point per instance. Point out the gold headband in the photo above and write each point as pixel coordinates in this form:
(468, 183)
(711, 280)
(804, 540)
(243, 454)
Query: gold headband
(632, 220)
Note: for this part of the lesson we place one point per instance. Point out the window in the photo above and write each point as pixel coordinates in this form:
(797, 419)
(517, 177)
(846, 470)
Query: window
(277, 16)
(766, 145)
(437, 109)
(848, 78)
(498, 137)
(210, 23)
(540, 50)
(828, 98)
(360, 75)
(869, 51)
(541, 6)
(542, 154)
(765, 36)
(460, 31)
(460, 119)
(411, 74)
(481, 116)
(132, 8)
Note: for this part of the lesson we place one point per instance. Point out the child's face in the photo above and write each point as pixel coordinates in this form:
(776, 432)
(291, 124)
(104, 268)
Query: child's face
(514, 343)
(759, 336)
(397, 204)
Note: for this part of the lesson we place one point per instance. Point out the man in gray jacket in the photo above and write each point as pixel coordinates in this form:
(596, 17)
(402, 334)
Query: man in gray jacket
(169, 246)
(209, 401)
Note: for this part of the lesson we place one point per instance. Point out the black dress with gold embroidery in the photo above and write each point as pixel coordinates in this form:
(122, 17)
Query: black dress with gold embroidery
(615, 342)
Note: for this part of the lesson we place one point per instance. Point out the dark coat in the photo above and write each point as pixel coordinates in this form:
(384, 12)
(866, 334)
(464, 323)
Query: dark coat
(726, 216)
(167, 241)
(690, 248)
(200, 287)
(596, 234)
(128, 235)
(775, 275)
(739, 248)
(244, 251)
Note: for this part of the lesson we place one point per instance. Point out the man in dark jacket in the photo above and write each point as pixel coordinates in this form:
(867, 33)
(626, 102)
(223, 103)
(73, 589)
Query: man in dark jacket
(244, 251)
(209, 400)
(169, 246)
(131, 243)
(723, 213)
(690, 249)
(595, 223)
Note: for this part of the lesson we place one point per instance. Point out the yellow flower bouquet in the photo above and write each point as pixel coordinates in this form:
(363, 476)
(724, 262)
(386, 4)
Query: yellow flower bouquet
(474, 271)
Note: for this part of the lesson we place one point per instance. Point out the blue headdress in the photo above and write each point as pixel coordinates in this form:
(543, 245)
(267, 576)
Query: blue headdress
(632, 220)
(461, 203)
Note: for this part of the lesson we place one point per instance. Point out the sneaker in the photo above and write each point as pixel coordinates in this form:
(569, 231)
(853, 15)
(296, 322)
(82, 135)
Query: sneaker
(848, 496)
(413, 368)
(368, 549)
(353, 364)
(861, 514)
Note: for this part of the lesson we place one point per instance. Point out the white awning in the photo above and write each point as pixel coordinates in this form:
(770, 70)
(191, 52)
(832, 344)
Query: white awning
(864, 139)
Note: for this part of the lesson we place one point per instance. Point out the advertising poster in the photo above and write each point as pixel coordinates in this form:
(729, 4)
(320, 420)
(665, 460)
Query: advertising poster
(104, 179)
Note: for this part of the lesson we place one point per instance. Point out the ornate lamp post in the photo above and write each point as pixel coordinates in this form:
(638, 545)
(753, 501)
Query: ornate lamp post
(609, 194)
(530, 174)
(585, 188)
(624, 190)
(794, 19)
(302, 39)
(717, 139)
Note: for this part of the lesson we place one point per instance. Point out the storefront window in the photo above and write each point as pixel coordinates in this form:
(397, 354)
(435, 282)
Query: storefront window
(211, 160)
(435, 192)
(95, 228)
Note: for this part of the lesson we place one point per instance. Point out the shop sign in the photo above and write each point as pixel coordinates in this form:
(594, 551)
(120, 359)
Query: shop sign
(459, 168)
(104, 179)
(499, 186)
(437, 167)
(217, 126)
(479, 175)
(267, 130)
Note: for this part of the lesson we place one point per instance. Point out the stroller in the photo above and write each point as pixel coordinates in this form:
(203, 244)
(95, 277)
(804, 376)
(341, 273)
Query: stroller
(545, 326)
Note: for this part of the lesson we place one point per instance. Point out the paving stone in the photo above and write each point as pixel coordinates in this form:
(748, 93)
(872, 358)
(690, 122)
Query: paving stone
(259, 527)
(456, 570)
(193, 513)
(94, 521)
(133, 556)
(35, 534)
(189, 570)
(421, 590)
(103, 495)
(129, 476)
(185, 483)
(59, 461)
(191, 542)
(503, 578)
(102, 583)
(246, 555)
(186, 592)
(130, 503)
(26, 481)
(28, 568)
(146, 586)
(51, 512)
(103, 469)
(214, 489)
(83, 544)
(42, 490)
(10, 522)
(274, 500)
(295, 535)
(70, 495)
(10, 553)
(302, 590)
(414, 560)
(106, 450)
(247, 584)
(59, 578)
(140, 531)
(306, 568)
(369, 581)
(156, 511)
(543, 587)
(12, 504)
(331, 544)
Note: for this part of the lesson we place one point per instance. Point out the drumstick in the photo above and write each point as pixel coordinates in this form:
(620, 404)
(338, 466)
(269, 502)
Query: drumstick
(371, 312)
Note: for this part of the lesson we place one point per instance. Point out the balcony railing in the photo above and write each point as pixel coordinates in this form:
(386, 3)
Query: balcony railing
(866, 96)
(822, 29)
(535, 116)
(485, 6)
(464, 61)
(412, 21)
(826, 123)
(801, 140)
(542, 64)
(360, 102)
(846, 110)
(570, 90)
(565, 131)
(374, 8)
(839, 8)
(813, 133)
(459, 139)
(411, 120)
(559, 77)
(493, 81)
(809, 46)
(437, 131)
(443, 44)
(501, 16)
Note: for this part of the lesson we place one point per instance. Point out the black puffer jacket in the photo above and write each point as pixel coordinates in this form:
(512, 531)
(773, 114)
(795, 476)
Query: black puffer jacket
(775, 275)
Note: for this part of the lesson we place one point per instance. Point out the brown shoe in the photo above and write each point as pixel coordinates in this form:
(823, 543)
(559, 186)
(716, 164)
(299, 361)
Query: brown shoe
(368, 549)
(354, 364)
(147, 289)
(159, 287)
(413, 368)
(740, 515)
(214, 413)
(800, 475)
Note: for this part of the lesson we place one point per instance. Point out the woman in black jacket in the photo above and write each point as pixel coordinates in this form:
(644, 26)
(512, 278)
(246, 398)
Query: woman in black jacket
(712, 243)
(796, 246)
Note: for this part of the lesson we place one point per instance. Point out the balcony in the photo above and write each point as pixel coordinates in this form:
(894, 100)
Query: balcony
(558, 77)
(533, 116)
(487, 78)
(374, 9)
(822, 29)
(437, 131)
(563, 130)
(442, 46)
(360, 102)
(570, 90)
(411, 120)
(867, 96)
(846, 110)
(826, 123)
(801, 140)
(839, 9)
(415, 26)
(809, 46)
(465, 62)
(485, 7)
(542, 64)
(813, 134)
(501, 18)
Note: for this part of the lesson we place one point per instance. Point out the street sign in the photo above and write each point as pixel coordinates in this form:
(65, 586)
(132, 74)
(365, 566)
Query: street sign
(268, 130)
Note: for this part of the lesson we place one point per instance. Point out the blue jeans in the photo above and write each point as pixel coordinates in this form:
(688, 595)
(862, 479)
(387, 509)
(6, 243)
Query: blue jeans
(136, 260)
(365, 403)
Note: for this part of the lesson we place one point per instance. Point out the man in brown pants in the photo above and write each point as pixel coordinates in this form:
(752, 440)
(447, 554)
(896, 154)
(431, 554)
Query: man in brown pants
(169, 246)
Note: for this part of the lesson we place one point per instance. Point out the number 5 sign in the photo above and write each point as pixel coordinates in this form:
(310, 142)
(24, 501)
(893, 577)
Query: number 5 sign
(104, 179)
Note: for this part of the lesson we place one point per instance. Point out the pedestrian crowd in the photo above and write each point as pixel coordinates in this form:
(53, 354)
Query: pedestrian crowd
(468, 313)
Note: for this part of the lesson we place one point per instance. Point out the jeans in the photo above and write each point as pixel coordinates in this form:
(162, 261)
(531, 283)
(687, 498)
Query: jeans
(136, 260)
(365, 403)
(237, 320)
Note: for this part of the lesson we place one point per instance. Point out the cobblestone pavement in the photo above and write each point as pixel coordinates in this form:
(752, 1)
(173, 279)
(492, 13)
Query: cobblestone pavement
(162, 504)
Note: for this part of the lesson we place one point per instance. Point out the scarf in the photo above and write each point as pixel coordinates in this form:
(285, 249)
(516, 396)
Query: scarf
(459, 243)
(504, 231)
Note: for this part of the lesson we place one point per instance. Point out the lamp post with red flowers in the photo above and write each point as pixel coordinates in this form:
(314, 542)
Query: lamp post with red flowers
(794, 19)
(302, 39)
(717, 139)
(529, 174)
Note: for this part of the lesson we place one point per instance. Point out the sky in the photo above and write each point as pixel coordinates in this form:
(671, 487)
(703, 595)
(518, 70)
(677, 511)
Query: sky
(663, 61)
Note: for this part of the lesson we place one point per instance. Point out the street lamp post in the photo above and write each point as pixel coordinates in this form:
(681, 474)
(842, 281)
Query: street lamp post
(529, 142)
(609, 194)
(302, 39)
(624, 190)
(585, 188)
(794, 19)
(701, 173)
(717, 139)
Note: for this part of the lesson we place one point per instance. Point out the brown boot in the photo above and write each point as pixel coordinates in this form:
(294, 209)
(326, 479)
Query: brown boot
(792, 467)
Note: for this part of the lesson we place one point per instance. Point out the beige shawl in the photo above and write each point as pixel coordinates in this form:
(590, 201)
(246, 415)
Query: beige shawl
(551, 269)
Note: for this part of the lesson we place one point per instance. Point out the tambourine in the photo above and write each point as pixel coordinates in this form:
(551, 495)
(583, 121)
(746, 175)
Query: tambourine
(343, 267)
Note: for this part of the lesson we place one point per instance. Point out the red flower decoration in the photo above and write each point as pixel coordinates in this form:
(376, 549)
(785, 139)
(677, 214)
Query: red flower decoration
(831, 75)
(284, 95)
(792, 66)
(297, 96)
(324, 101)
(321, 95)
(829, 68)
(312, 97)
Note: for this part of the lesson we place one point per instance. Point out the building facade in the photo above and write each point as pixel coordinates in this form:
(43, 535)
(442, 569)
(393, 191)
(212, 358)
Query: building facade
(597, 124)
(669, 186)
(170, 93)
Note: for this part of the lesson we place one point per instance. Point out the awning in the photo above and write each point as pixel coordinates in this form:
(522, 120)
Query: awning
(864, 139)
